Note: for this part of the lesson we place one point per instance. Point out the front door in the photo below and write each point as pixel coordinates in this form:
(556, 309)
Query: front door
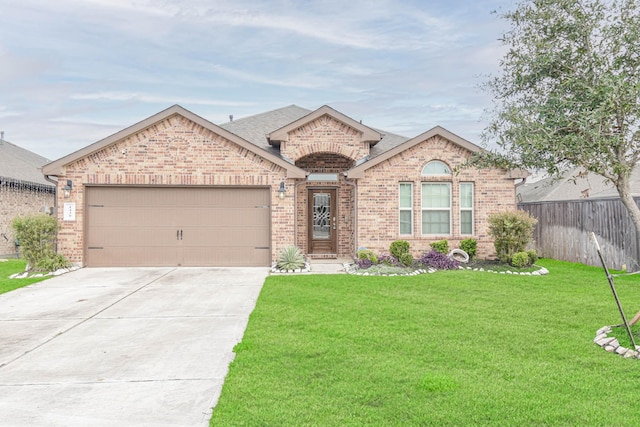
(322, 220)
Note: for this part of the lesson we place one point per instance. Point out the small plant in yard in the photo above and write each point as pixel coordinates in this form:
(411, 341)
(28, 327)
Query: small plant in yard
(398, 248)
(364, 263)
(438, 261)
(290, 258)
(389, 260)
(367, 254)
(511, 232)
(441, 246)
(533, 256)
(406, 259)
(37, 236)
(470, 246)
(521, 260)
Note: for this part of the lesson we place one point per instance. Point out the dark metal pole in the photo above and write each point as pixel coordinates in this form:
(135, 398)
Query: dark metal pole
(613, 290)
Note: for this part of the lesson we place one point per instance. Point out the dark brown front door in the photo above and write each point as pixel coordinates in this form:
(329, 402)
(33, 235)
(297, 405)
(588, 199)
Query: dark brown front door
(322, 221)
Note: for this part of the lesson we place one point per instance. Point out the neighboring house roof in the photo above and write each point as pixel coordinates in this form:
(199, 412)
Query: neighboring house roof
(19, 164)
(574, 185)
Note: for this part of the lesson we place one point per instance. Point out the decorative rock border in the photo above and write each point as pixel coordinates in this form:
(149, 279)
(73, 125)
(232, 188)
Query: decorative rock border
(612, 345)
(305, 269)
(28, 275)
(351, 268)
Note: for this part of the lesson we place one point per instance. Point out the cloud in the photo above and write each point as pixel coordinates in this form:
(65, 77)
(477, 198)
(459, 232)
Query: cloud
(140, 97)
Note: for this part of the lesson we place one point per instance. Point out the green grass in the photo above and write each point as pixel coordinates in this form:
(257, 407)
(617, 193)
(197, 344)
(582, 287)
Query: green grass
(10, 267)
(449, 348)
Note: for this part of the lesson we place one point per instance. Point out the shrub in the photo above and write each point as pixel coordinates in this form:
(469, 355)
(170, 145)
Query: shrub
(470, 246)
(520, 260)
(406, 259)
(441, 246)
(37, 237)
(364, 263)
(533, 256)
(398, 248)
(290, 258)
(511, 232)
(367, 254)
(389, 260)
(438, 261)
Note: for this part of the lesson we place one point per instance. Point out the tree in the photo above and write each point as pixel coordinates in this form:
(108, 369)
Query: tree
(568, 91)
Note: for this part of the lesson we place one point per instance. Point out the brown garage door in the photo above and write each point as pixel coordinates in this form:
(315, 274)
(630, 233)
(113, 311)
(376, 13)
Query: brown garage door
(168, 226)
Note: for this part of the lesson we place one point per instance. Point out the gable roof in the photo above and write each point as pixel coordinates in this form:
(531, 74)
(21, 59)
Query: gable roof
(575, 184)
(19, 164)
(368, 134)
(55, 168)
(358, 171)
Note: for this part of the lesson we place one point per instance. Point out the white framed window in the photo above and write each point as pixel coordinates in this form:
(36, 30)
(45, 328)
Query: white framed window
(436, 167)
(436, 208)
(466, 208)
(406, 207)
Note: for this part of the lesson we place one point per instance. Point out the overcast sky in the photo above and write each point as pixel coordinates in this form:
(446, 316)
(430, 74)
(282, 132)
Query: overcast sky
(75, 71)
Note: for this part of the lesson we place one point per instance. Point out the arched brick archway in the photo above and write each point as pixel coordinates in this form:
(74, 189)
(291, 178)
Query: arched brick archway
(325, 162)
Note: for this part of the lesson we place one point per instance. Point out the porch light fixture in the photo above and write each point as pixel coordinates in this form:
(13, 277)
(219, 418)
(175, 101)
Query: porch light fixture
(67, 189)
(282, 190)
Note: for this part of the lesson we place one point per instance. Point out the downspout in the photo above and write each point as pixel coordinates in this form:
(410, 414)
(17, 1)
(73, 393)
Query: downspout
(354, 185)
(55, 202)
(515, 189)
(55, 193)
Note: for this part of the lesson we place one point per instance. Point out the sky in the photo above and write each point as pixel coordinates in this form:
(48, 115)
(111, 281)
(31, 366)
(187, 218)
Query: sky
(73, 72)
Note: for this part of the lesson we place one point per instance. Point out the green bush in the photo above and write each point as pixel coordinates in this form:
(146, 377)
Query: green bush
(470, 246)
(520, 260)
(290, 258)
(368, 255)
(441, 246)
(398, 248)
(533, 256)
(511, 232)
(406, 259)
(37, 236)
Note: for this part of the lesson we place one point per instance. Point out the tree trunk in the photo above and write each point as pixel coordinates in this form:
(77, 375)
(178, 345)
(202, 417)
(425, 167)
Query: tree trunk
(624, 189)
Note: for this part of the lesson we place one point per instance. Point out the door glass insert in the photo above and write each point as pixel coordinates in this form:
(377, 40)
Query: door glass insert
(322, 216)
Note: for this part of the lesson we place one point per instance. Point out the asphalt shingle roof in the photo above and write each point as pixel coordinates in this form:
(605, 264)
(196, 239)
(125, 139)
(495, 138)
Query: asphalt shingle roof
(256, 128)
(20, 164)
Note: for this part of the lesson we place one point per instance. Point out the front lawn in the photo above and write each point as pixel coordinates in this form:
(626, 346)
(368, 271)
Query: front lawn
(449, 348)
(9, 267)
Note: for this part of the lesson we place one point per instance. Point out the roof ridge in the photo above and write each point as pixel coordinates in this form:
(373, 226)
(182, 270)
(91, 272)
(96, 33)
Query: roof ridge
(253, 116)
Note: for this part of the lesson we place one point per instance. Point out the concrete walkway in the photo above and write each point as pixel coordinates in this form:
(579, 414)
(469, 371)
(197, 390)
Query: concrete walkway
(128, 347)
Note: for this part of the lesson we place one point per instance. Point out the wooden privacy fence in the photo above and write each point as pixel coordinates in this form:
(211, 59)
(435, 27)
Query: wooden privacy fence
(564, 227)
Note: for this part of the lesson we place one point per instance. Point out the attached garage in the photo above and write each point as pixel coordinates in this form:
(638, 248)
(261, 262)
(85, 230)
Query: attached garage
(177, 226)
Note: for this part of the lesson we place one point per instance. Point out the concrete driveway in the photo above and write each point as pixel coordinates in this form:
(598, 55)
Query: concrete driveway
(122, 347)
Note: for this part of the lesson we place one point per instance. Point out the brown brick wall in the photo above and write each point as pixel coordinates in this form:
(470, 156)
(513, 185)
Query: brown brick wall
(325, 135)
(174, 152)
(16, 201)
(378, 214)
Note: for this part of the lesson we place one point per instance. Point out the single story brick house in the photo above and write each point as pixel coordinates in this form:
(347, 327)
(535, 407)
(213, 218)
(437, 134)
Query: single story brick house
(176, 189)
(23, 190)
